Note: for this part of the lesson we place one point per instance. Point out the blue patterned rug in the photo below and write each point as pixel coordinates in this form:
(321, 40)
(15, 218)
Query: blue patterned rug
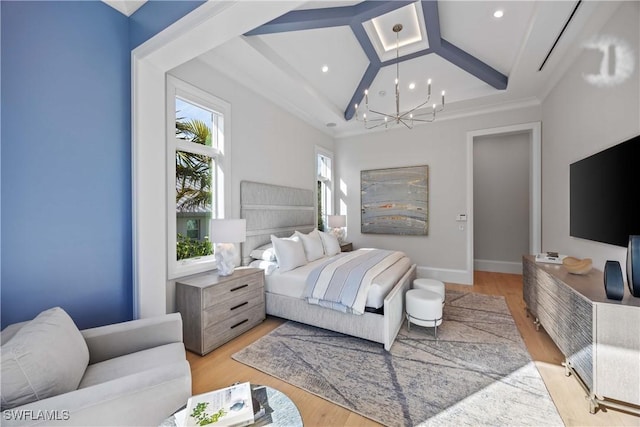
(478, 372)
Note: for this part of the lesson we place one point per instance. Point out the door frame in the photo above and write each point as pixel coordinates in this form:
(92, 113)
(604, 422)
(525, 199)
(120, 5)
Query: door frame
(535, 185)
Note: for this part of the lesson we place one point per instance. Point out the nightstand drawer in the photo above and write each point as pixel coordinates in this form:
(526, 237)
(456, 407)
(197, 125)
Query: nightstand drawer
(235, 289)
(231, 307)
(231, 327)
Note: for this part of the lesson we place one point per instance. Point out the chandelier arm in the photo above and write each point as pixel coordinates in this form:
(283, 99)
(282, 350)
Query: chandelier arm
(376, 126)
(424, 120)
(391, 116)
(404, 123)
(418, 107)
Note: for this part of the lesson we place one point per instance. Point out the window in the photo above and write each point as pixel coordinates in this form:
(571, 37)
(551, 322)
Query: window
(324, 169)
(197, 164)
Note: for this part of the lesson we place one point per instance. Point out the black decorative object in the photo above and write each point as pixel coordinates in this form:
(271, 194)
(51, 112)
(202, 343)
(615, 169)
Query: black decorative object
(633, 266)
(613, 282)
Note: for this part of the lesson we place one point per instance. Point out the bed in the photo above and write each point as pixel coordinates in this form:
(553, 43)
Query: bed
(281, 211)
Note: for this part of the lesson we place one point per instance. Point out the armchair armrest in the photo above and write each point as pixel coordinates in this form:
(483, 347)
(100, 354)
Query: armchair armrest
(143, 399)
(107, 342)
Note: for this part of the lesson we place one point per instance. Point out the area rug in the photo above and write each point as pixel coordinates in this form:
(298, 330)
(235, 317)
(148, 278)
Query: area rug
(477, 372)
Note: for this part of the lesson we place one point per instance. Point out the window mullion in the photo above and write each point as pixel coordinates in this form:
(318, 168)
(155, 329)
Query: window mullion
(190, 147)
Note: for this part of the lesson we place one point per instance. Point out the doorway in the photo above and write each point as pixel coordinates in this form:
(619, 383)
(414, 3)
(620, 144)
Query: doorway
(530, 134)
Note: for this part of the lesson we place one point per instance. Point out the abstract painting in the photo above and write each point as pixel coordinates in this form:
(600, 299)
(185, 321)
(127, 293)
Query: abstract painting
(395, 201)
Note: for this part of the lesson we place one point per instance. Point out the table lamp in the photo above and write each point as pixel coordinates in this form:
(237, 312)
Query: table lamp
(225, 233)
(337, 224)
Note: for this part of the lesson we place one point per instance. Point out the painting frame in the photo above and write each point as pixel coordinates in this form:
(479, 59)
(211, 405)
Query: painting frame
(395, 201)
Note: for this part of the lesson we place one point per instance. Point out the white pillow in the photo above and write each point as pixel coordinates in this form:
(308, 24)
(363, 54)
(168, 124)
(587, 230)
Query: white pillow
(46, 357)
(264, 252)
(312, 243)
(268, 266)
(289, 253)
(330, 243)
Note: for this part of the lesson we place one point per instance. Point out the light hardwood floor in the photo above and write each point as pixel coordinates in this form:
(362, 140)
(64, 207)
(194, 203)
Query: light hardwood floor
(217, 369)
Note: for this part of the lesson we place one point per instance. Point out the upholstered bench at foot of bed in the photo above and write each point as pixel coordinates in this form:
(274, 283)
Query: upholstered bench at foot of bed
(424, 308)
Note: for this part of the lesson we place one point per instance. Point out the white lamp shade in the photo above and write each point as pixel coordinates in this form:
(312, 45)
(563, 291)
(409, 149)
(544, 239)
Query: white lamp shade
(228, 230)
(337, 221)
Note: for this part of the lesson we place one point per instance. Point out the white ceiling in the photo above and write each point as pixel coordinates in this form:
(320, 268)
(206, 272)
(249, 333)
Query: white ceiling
(286, 66)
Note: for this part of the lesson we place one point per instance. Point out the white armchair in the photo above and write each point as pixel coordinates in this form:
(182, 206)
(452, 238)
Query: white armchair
(131, 373)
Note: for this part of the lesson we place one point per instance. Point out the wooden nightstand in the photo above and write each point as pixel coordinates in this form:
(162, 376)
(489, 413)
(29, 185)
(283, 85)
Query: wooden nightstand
(215, 309)
(346, 247)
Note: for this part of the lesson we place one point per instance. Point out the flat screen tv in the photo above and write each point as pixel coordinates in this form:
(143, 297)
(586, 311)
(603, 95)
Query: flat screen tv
(605, 194)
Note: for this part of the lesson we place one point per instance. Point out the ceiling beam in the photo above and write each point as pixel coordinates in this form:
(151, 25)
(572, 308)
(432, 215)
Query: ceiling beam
(472, 65)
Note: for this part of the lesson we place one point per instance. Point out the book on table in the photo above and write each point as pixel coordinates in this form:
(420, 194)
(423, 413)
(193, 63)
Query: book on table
(230, 406)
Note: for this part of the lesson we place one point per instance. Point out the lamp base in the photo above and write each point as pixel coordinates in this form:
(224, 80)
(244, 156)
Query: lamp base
(225, 258)
(339, 233)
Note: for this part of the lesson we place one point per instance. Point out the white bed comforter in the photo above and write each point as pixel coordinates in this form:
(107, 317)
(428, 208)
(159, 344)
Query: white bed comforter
(342, 283)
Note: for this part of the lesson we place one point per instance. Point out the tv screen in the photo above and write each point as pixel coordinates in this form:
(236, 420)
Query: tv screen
(605, 194)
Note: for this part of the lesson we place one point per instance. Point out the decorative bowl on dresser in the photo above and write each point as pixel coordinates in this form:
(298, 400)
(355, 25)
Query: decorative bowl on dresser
(576, 265)
(215, 309)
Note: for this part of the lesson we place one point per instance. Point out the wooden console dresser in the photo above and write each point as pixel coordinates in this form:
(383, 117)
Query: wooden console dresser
(599, 337)
(215, 309)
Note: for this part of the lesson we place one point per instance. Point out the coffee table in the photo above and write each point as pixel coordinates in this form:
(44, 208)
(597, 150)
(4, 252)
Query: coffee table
(276, 410)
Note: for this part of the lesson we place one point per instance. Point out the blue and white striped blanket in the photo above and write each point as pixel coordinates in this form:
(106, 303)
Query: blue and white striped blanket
(342, 282)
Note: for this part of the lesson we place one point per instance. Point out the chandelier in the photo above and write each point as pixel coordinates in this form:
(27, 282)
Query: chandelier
(373, 119)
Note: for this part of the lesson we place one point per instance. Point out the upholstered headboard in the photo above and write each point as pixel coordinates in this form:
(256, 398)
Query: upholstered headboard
(274, 209)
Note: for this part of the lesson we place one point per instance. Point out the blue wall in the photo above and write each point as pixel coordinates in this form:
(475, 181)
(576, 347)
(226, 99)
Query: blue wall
(66, 156)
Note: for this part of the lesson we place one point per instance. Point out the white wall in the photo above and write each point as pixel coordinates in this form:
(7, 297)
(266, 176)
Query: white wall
(440, 145)
(501, 201)
(267, 144)
(580, 119)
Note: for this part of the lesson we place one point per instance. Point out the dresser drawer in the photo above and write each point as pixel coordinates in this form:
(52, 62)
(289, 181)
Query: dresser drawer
(235, 289)
(222, 332)
(231, 307)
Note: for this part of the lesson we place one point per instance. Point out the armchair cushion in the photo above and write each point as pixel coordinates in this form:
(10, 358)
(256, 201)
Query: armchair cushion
(132, 364)
(46, 357)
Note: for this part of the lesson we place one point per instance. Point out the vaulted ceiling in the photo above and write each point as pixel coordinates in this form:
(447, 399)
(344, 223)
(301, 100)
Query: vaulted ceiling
(317, 60)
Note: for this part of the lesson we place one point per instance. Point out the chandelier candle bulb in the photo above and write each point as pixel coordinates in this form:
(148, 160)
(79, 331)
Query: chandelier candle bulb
(443, 98)
(429, 87)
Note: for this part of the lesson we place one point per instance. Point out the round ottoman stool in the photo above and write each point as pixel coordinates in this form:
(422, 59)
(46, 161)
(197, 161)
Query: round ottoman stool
(424, 308)
(432, 285)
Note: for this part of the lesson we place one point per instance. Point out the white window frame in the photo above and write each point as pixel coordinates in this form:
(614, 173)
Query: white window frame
(222, 173)
(328, 181)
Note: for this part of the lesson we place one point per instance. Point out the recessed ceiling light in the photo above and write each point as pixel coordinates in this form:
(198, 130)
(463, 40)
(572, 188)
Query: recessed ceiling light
(325, 68)
(412, 86)
(498, 13)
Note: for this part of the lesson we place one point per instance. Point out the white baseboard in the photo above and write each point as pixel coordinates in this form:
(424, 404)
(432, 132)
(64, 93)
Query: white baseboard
(462, 277)
(497, 266)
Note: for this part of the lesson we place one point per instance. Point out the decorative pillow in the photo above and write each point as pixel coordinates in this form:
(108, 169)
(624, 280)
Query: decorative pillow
(264, 252)
(289, 253)
(268, 266)
(45, 358)
(330, 243)
(312, 243)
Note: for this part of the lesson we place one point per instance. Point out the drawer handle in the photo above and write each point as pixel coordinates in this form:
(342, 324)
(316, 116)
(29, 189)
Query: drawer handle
(240, 287)
(238, 306)
(239, 323)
